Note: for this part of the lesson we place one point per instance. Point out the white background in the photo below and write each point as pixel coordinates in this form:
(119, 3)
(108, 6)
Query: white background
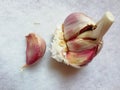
(18, 18)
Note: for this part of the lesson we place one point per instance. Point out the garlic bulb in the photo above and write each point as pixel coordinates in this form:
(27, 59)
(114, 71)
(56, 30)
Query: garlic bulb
(81, 39)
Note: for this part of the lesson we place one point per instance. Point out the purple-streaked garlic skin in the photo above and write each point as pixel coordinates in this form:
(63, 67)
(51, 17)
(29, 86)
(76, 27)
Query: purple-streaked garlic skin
(36, 47)
(83, 57)
(78, 45)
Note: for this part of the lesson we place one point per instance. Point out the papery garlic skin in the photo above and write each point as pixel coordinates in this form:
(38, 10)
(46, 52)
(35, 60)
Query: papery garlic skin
(36, 47)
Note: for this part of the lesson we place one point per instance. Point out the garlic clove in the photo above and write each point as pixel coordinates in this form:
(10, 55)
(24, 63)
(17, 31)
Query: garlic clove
(81, 58)
(77, 44)
(87, 34)
(35, 50)
(75, 23)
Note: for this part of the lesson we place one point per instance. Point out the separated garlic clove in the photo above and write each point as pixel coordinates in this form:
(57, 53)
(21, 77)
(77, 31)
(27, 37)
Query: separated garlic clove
(76, 23)
(35, 50)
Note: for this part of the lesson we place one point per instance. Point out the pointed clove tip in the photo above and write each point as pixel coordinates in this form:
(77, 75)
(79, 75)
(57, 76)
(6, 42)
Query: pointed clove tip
(110, 16)
(23, 67)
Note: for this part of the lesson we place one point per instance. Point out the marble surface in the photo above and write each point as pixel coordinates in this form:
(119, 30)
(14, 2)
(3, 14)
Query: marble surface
(20, 17)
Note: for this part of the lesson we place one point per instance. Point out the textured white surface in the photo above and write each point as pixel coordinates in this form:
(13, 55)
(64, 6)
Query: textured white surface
(17, 18)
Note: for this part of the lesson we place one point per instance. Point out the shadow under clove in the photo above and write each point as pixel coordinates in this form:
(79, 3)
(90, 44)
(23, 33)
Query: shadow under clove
(62, 68)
